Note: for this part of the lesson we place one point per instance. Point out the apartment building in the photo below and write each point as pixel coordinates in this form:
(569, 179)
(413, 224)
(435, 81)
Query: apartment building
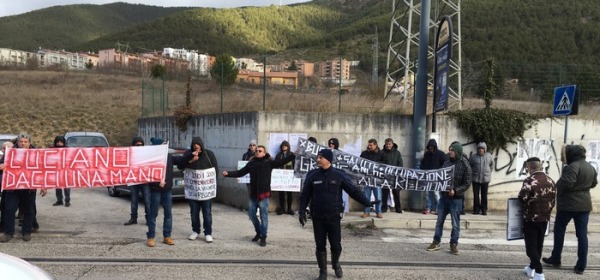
(287, 78)
(197, 62)
(333, 69)
(10, 57)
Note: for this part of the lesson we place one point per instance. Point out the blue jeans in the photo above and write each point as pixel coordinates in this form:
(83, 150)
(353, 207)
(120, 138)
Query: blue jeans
(448, 205)
(431, 200)
(377, 194)
(260, 227)
(581, 231)
(12, 199)
(135, 197)
(206, 206)
(164, 198)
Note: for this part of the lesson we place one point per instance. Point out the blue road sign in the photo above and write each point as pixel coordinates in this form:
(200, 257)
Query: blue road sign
(564, 99)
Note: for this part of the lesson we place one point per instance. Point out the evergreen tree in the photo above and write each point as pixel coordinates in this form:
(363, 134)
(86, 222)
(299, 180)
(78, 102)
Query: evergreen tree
(224, 70)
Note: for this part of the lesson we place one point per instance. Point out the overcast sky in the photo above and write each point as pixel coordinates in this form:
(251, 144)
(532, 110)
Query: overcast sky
(15, 7)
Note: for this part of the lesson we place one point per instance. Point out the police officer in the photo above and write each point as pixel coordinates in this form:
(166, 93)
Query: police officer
(323, 189)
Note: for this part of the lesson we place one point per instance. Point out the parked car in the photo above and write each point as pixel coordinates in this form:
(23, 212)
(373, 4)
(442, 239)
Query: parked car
(86, 139)
(16, 268)
(178, 183)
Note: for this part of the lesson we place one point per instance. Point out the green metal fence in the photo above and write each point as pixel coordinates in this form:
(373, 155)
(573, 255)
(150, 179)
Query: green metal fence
(155, 98)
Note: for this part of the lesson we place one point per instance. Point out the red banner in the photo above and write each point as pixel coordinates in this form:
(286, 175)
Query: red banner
(83, 167)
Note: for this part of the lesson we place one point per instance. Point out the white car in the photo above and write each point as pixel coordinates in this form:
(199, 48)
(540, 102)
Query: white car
(85, 139)
(16, 268)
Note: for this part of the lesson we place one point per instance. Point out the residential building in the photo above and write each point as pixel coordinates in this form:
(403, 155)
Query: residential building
(332, 69)
(287, 78)
(10, 57)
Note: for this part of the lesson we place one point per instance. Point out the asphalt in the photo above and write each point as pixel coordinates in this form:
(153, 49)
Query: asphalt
(494, 221)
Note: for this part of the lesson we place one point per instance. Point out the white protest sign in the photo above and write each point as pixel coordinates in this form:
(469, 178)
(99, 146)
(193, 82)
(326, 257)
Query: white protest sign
(200, 184)
(284, 180)
(245, 178)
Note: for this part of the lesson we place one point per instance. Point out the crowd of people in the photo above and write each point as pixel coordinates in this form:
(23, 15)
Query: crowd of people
(324, 192)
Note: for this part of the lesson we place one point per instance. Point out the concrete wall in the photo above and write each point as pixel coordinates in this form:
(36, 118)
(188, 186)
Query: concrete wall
(228, 135)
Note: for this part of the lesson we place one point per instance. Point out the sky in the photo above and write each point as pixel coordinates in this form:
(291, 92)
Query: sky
(15, 7)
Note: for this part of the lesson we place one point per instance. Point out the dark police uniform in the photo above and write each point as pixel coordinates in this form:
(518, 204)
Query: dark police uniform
(323, 189)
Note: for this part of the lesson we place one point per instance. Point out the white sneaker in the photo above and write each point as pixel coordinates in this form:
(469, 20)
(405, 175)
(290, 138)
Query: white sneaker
(528, 271)
(208, 239)
(193, 236)
(539, 276)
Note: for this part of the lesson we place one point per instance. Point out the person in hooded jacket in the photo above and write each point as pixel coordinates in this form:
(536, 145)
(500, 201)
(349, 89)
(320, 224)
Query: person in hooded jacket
(260, 168)
(284, 152)
(574, 201)
(59, 142)
(482, 163)
(5, 145)
(392, 157)
(451, 201)
(161, 194)
(433, 158)
(373, 153)
(134, 192)
(199, 158)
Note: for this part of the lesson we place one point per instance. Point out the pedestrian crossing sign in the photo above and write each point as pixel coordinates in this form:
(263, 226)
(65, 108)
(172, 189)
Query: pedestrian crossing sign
(566, 100)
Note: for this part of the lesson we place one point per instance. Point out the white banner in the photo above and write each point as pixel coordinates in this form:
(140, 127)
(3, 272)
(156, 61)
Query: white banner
(284, 180)
(245, 178)
(200, 184)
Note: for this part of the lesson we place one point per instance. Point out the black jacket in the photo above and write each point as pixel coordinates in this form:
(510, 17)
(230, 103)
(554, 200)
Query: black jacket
(206, 158)
(323, 190)
(155, 187)
(376, 156)
(260, 174)
(435, 159)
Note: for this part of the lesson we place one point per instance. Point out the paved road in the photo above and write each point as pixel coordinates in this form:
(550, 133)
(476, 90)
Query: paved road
(88, 241)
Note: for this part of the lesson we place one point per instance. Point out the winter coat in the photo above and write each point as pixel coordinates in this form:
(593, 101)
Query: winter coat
(435, 159)
(260, 174)
(323, 190)
(206, 158)
(155, 186)
(281, 155)
(461, 181)
(482, 165)
(376, 156)
(576, 180)
(392, 156)
(538, 195)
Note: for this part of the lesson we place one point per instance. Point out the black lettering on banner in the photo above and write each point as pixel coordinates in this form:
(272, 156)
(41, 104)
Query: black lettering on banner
(368, 173)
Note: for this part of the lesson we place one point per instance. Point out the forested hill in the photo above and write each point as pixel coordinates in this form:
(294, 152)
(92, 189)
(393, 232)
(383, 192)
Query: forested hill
(537, 31)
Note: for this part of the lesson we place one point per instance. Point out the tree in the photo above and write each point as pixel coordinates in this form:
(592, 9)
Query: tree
(490, 83)
(158, 71)
(224, 68)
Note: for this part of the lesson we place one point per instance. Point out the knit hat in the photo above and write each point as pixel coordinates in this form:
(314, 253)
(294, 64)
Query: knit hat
(457, 149)
(327, 154)
(156, 141)
(253, 142)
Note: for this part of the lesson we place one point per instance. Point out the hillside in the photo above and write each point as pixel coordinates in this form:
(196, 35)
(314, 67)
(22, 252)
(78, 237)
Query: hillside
(63, 27)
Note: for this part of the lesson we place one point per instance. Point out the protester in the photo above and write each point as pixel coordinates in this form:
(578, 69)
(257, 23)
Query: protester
(283, 153)
(260, 167)
(538, 195)
(161, 194)
(392, 157)
(5, 145)
(134, 192)
(451, 201)
(481, 164)
(251, 150)
(199, 158)
(574, 201)
(334, 144)
(59, 142)
(13, 197)
(323, 190)
(373, 153)
(433, 158)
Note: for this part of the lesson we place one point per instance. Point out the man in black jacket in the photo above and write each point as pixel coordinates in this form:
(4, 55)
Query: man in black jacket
(451, 201)
(59, 142)
(373, 153)
(134, 192)
(161, 194)
(260, 167)
(323, 190)
(433, 158)
(199, 158)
